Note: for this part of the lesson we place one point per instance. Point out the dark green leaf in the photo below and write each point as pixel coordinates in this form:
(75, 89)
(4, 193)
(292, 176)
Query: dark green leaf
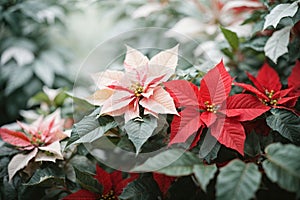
(3, 166)
(82, 107)
(231, 37)
(258, 43)
(46, 177)
(286, 124)
(252, 145)
(7, 151)
(143, 188)
(8, 191)
(283, 165)
(91, 128)
(87, 181)
(172, 162)
(139, 131)
(204, 173)
(228, 52)
(238, 180)
(185, 188)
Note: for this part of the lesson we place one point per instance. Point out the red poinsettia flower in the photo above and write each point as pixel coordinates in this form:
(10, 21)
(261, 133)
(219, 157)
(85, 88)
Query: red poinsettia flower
(268, 87)
(113, 185)
(212, 107)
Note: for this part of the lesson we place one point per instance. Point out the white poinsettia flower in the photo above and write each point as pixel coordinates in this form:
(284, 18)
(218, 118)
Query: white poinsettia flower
(138, 87)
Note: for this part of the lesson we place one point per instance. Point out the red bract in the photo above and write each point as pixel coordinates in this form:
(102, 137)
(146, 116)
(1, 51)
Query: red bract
(294, 80)
(212, 107)
(164, 182)
(268, 87)
(113, 185)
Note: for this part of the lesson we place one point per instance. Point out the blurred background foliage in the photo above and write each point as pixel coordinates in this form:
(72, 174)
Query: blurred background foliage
(29, 56)
(47, 42)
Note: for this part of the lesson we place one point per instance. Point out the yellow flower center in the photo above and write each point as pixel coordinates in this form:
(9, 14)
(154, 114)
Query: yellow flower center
(270, 101)
(109, 196)
(211, 107)
(269, 94)
(137, 88)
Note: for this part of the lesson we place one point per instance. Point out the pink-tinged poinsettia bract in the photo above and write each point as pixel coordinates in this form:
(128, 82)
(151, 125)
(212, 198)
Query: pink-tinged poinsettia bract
(113, 185)
(212, 107)
(268, 88)
(139, 86)
(39, 140)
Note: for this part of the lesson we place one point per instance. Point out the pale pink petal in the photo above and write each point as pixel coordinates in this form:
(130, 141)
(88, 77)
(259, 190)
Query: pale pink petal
(117, 101)
(34, 126)
(118, 112)
(53, 148)
(132, 77)
(52, 121)
(167, 58)
(147, 112)
(27, 128)
(148, 92)
(109, 77)
(56, 135)
(132, 111)
(159, 102)
(20, 161)
(158, 74)
(99, 97)
(134, 59)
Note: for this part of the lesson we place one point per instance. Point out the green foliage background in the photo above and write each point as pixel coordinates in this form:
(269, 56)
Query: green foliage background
(30, 29)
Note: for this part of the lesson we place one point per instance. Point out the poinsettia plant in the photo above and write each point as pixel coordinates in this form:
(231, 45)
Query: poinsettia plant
(150, 131)
(39, 141)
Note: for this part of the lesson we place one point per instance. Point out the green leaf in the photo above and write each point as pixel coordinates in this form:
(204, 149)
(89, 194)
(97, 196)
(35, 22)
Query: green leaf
(44, 73)
(81, 107)
(238, 180)
(91, 128)
(19, 77)
(172, 162)
(257, 43)
(209, 147)
(252, 145)
(279, 12)
(231, 37)
(204, 173)
(46, 177)
(8, 191)
(286, 124)
(277, 44)
(143, 188)
(283, 165)
(185, 188)
(139, 131)
(38, 98)
(87, 181)
(7, 151)
(60, 98)
(3, 166)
